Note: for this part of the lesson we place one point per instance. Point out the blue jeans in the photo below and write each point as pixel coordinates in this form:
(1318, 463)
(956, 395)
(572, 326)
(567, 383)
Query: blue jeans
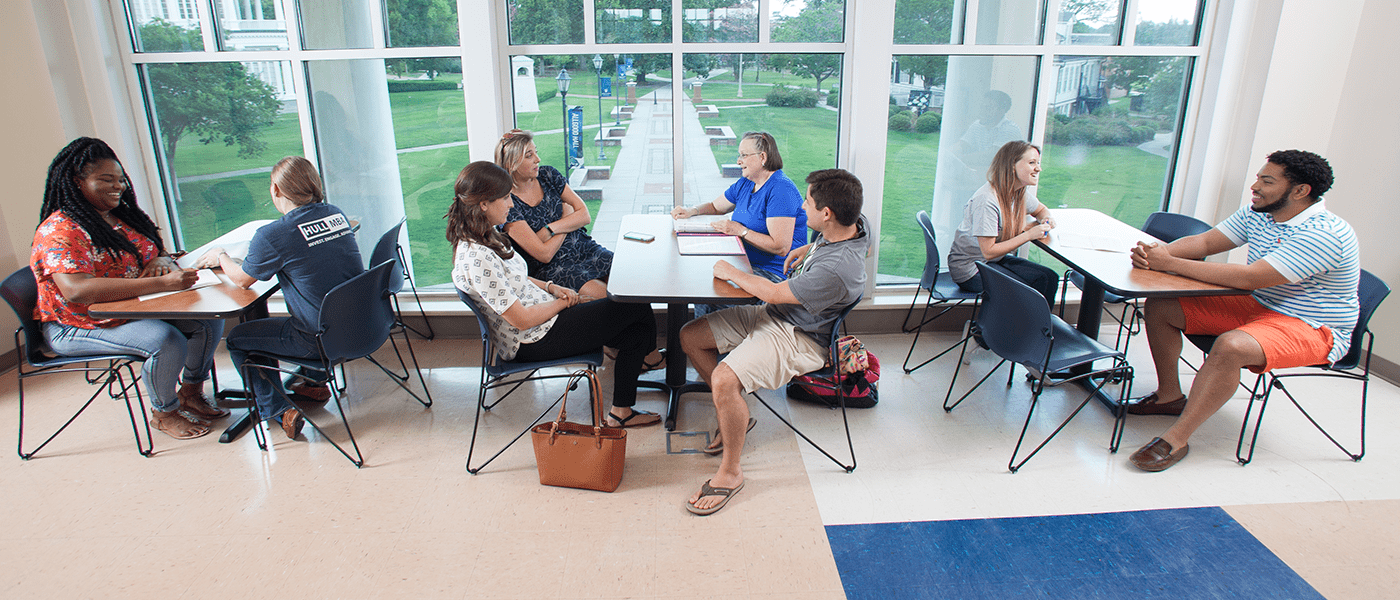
(705, 309)
(169, 347)
(275, 336)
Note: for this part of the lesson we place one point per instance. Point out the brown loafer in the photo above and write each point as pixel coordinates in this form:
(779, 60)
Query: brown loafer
(1157, 456)
(292, 422)
(1152, 405)
(310, 392)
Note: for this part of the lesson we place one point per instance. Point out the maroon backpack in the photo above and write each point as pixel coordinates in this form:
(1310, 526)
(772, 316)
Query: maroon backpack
(861, 387)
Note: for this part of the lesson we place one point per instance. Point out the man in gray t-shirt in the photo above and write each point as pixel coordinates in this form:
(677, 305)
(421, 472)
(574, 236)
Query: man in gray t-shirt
(767, 345)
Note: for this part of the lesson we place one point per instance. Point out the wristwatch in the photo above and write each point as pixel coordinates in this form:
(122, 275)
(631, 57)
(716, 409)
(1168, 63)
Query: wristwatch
(745, 233)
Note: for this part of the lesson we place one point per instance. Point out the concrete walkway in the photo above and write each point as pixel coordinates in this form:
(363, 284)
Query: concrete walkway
(641, 181)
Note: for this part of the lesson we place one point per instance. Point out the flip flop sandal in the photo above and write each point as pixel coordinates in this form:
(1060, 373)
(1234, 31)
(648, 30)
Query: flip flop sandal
(660, 364)
(623, 422)
(709, 490)
(717, 450)
(192, 431)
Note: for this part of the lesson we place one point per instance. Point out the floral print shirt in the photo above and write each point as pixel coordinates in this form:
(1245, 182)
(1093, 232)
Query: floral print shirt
(62, 246)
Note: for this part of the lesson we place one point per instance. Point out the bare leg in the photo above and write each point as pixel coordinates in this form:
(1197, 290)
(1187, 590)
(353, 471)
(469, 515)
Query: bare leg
(1165, 322)
(733, 415)
(1215, 383)
(702, 350)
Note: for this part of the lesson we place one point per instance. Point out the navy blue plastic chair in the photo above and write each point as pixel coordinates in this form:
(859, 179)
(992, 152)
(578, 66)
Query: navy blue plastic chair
(112, 373)
(1165, 226)
(356, 317)
(495, 371)
(942, 292)
(827, 373)
(387, 249)
(1016, 325)
(1355, 365)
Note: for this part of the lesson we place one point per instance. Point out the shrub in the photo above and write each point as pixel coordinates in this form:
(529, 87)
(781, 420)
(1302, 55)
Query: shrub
(928, 122)
(896, 109)
(541, 96)
(900, 121)
(420, 86)
(1101, 129)
(833, 97)
(782, 95)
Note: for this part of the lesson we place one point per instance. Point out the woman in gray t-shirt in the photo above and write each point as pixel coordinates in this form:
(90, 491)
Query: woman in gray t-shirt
(994, 223)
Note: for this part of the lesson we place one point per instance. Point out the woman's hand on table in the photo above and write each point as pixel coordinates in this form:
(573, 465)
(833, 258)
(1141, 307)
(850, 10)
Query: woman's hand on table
(210, 259)
(683, 212)
(729, 227)
(160, 265)
(180, 279)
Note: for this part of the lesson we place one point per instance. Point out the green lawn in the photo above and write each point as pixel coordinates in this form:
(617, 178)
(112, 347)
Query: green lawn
(283, 138)
(806, 136)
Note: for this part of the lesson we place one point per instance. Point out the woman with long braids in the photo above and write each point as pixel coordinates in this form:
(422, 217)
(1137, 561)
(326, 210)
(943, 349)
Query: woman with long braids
(994, 223)
(94, 244)
(535, 320)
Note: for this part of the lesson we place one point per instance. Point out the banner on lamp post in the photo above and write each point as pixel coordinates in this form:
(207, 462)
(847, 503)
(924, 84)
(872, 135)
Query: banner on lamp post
(605, 87)
(574, 133)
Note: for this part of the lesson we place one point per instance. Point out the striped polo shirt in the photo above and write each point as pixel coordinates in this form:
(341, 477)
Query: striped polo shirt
(1317, 252)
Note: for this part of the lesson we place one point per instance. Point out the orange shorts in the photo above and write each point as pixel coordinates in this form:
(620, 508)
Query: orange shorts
(1287, 341)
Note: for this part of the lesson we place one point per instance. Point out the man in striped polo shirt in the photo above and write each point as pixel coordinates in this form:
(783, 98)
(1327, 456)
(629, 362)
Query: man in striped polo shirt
(1303, 267)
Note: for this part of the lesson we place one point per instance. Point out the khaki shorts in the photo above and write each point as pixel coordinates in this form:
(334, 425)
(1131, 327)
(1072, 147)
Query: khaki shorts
(764, 352)
(1287, 341)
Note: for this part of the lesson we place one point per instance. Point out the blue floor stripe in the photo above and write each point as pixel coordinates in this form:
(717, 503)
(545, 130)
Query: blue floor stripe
(1170, 554)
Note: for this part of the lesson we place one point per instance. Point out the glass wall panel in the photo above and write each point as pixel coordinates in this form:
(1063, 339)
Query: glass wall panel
(164, 26)
(335, 24)
(980, 102)
(220, 127)
(1112, 135)
(545, 21)
(413, 23)
(352, 117)
(251, 25)
(803, 21)
(720, 20)
(622, 167)
(632, 21)
(1090, 23)
(1009, 21)
(430, 135)
(928, 21)
(1167, 23)
(795, 103)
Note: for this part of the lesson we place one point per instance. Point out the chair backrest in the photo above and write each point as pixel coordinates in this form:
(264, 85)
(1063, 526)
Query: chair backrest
(834, 357)
(356, 315)
(488, 356)
(933, 261)
(1370, 293)
(21, 292)
(388, 249)
(1014, 319)
(1170, 227)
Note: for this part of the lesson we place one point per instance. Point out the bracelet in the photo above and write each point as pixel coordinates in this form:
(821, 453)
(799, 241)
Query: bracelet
(547, 285)
(550, 230)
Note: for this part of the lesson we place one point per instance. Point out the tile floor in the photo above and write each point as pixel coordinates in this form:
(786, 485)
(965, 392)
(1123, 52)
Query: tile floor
(91, 518)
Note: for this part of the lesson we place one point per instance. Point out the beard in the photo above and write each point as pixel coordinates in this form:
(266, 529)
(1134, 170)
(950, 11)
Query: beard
(1272, 206)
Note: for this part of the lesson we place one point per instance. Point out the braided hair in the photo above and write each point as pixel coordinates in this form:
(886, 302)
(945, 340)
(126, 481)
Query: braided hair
(62, 194)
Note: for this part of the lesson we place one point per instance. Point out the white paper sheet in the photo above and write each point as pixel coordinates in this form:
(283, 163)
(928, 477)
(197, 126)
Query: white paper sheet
(207, 277)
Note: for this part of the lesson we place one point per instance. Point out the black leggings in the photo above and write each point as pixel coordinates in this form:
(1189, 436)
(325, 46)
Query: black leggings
(628, 327)
(1044, 279)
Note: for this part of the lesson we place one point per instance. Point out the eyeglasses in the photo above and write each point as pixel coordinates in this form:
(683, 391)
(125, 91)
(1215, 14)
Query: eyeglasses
(743, 156)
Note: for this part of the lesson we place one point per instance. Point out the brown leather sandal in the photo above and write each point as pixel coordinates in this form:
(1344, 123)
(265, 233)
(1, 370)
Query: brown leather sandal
(177, 426)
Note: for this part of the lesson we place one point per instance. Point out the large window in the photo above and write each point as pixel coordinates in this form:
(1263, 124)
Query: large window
(1109, 121)
(660, 92)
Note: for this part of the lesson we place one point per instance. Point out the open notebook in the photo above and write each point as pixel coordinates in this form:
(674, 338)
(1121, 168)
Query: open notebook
(709, 244)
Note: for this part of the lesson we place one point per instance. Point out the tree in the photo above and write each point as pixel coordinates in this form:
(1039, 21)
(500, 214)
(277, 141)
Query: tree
(630, 21)
(934, 69)
(923, 21)
(818, 22)
(1126, 72)
(216, 101)
(418, 23)
(545, 22)
(702, 64)
(159, 35)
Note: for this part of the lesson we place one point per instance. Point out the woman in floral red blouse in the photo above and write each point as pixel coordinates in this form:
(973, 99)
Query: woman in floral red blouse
(94, 244)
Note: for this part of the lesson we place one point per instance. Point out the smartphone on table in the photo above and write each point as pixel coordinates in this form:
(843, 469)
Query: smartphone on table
(638, 236)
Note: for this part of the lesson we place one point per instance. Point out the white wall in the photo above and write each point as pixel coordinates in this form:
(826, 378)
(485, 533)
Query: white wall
(1362, 149)
(33, 134)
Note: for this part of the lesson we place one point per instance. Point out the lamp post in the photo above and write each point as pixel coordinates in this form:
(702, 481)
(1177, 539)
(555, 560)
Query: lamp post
(598, 69)
(563, 82)
(617, 114)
